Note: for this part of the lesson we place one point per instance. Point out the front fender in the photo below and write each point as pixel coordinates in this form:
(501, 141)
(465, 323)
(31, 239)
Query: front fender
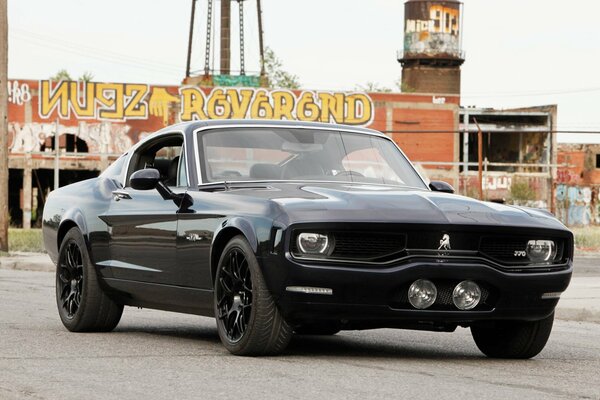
(242, 225)
(257, 232)
(75, 215)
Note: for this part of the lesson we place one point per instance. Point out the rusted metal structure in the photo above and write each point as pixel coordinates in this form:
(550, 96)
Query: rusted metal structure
(432, 53)
(225, 74)
(518, 152)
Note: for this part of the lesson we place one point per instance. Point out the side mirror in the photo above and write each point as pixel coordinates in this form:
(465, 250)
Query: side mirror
(145, 179)
(148, 179)
(441, 186)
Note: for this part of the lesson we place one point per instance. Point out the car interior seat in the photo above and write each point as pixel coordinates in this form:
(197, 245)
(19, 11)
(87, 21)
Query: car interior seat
(172, 172)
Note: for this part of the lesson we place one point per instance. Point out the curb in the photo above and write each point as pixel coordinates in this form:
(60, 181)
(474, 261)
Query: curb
(27, 262)
(578, 314)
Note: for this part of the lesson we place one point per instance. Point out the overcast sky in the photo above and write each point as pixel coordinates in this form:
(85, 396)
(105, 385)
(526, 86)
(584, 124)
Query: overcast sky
(519, 52)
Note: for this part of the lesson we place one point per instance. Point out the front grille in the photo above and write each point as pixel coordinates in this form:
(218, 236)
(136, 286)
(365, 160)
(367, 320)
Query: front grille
(385, 244)
(503, 249)
(362, 246)
(367, 245)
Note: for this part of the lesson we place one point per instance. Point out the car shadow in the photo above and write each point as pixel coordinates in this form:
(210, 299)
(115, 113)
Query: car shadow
(342, 345)
(191, 332)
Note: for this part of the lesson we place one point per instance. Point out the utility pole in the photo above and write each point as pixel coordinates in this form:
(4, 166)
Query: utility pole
(260, 39)
(189, 52)
(3, 126)
(480, 158)
(56, 156)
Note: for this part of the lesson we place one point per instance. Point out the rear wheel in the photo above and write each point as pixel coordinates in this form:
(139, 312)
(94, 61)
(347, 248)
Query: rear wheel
(248, 321)
(82, 305)
(513, 339)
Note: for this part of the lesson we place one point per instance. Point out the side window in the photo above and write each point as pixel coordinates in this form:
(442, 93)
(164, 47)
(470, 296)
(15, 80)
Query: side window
(182, 174)
(162, 154)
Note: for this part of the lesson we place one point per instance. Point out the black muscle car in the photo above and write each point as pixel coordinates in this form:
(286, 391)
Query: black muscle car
(276, 228)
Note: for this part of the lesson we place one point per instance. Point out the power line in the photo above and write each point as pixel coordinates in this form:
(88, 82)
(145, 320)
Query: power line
(77, 46)
(533, 93)
(122, 59)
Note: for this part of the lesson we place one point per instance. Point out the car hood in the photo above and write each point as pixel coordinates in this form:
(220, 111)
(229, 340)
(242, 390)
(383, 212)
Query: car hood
(316, 202)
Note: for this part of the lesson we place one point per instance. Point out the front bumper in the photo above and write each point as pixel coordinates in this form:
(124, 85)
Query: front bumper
(370, 297)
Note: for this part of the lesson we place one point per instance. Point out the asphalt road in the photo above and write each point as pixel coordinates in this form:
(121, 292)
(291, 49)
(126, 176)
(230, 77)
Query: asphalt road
(160, 355)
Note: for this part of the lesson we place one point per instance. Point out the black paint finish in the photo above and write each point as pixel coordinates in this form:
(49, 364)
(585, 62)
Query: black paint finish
(162, 254)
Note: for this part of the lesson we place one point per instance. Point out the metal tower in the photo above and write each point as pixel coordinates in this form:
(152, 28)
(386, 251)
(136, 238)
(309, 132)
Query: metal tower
(224, 76)
(432, 52)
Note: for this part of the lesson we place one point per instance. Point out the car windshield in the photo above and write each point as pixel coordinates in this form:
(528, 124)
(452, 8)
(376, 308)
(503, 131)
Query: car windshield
(267, 154)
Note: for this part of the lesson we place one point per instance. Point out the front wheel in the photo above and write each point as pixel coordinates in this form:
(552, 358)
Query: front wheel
(82, 305)
(248, 320)
(513, 339)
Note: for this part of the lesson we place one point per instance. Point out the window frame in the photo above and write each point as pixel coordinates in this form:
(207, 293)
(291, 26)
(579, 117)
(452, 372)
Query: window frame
(150, 141)
(199, 131)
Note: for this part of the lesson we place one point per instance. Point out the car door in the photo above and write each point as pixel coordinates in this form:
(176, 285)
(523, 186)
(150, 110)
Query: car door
(142, 226)
(195, 229)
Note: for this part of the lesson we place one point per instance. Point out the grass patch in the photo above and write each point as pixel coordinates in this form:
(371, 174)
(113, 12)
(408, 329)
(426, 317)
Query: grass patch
(29, 240)
(587, 238)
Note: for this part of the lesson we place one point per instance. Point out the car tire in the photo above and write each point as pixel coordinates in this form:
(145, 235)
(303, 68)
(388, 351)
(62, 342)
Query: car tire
(317, 329)
(82, 304)
(513, 339)
(248, 320)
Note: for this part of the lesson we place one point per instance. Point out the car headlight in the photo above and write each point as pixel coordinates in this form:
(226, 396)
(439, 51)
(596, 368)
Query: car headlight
(540, 251)
(314, 243)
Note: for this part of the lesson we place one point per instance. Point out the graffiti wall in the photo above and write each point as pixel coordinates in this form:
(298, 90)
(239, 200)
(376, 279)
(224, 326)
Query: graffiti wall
(577, 205)
(110, 117)
(432, 28)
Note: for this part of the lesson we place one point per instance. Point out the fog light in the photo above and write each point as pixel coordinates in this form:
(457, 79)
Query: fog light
(422, 294)
(466, 295)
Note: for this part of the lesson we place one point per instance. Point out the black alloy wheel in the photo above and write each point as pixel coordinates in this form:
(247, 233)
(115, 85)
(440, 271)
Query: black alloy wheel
(83, 306)
(234, 294)
(248, 320)
(69, 279)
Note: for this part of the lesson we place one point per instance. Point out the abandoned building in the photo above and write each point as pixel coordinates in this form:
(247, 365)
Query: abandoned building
(63, 132)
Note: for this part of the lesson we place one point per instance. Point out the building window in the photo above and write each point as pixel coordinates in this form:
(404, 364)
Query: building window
(597, 160)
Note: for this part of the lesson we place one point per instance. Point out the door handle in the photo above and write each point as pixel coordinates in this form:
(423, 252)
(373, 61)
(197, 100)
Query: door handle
(121, 194)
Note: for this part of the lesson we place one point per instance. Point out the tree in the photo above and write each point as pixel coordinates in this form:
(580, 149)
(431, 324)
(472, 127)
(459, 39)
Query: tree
(61, 75)
(86, 77)
(278, 78)
(372, 87)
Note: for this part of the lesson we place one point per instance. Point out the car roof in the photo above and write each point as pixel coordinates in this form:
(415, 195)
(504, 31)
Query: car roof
(193, 125)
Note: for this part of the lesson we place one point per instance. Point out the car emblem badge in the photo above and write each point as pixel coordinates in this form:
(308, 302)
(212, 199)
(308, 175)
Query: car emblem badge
(444, 245)
(445, 242)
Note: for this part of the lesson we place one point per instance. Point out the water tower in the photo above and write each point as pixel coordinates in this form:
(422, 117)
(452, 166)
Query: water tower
(432, 53)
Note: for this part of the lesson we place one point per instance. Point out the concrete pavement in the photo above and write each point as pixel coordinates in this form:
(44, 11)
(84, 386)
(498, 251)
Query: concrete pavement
(581, 301)
(159, 355)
